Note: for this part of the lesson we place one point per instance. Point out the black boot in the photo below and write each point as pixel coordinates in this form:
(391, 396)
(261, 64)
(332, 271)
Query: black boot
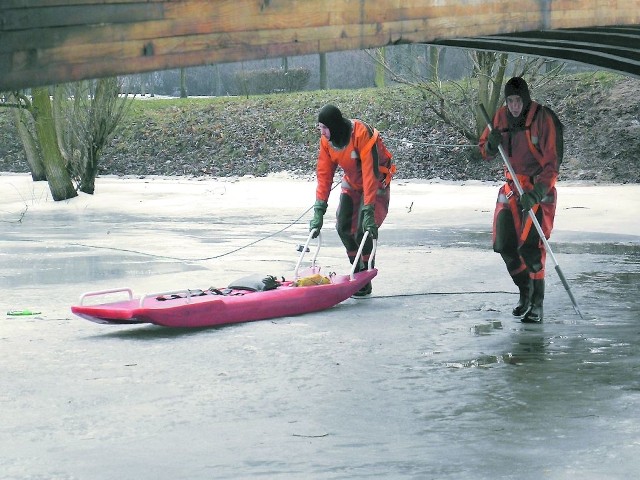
(523, 282)
(534, 313)
(367, 288)
(364, 291)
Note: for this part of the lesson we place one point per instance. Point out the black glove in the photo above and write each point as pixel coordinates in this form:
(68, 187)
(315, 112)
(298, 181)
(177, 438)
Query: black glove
(369, 220)
(270, 282)
(532, 197)
(493, 142)
(319, 209)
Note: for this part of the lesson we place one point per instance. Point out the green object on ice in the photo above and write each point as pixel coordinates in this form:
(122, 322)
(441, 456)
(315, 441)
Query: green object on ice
(22, 312)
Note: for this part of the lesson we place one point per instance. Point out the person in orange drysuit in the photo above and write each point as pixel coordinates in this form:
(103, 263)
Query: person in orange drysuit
(527, 134)
(367, 170)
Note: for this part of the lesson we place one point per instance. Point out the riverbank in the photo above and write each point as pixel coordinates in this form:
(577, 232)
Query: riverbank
(234, 136)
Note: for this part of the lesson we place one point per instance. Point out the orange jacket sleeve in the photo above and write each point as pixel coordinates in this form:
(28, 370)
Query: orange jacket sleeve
(545, 130)
(482, 143)
(325, 170)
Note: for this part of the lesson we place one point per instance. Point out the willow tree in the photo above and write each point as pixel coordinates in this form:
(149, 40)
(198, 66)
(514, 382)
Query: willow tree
(87, 115)
(63, 134)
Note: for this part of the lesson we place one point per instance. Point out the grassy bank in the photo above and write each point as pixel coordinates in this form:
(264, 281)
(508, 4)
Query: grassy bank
(228, 136)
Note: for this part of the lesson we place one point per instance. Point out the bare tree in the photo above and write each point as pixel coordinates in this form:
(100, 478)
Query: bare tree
(87, 115)
(36, 127)
(489, 68)
(455, 102)
(63, 134)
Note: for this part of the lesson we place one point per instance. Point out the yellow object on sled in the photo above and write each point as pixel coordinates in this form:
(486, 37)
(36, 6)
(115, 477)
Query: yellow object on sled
(311, 280)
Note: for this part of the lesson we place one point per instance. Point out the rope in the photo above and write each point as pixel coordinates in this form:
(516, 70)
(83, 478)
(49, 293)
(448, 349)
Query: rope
(397, 295)
(421, 294)
(167, 257)
(445, 145)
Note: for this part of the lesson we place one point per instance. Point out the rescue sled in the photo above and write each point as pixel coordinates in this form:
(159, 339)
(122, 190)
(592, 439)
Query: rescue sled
(308, 291)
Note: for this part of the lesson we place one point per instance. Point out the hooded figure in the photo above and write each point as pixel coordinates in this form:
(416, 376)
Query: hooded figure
(340, 127)
(526, 134)
(367, 169)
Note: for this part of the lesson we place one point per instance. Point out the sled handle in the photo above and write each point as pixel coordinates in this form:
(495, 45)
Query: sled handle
(304, 250)
(106, 292)
(371, 256)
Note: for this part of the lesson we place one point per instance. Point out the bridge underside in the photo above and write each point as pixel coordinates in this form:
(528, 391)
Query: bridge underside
(610, 48)
(44, 42)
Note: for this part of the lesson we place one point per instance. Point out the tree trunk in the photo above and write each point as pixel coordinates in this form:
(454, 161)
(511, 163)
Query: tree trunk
(34, 159)
(183, 83)
(88, 175)
(490, 79)
(285, 67)
(323, 71)
(379, 78)
(151, 84)
(59, 180)
(432, 66)
(217, 91)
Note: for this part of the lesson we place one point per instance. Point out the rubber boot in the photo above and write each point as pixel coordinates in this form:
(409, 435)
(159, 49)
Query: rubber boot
(523, 282)
(535, 312)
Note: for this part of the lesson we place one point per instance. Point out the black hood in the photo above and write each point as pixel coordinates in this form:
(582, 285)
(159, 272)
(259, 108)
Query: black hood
(517, 86)
(340, 127)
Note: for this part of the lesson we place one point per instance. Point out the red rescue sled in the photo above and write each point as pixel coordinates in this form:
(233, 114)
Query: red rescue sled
(205, 308)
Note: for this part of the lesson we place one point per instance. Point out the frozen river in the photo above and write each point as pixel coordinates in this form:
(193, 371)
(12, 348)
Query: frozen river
(431, 378)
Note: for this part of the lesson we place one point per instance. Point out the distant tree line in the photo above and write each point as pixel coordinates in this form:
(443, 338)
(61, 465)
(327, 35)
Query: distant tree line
(336, 70)
(342, 70)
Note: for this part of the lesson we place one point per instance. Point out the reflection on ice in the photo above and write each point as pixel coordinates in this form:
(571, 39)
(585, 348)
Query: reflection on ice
(38, 267)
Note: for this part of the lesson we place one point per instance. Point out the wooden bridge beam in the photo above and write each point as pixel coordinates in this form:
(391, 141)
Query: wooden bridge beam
(49, 41)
